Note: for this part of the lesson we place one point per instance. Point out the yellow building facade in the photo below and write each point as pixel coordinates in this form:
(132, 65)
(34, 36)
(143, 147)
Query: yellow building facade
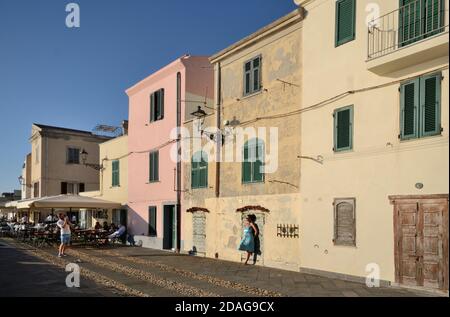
(375, 118)
(113, 183)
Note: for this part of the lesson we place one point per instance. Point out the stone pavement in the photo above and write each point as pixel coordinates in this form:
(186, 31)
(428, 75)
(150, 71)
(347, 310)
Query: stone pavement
(162, 274)
(22, 275)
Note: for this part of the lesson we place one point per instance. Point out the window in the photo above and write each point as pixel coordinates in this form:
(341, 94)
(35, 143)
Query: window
(252, 76)
(36, 190)
(253, 165)
(73, 156)
(419, 19)
(345, 21)
(72, 188)
(421, 107)
(116, 173)
(152, 232)
(343, 129)
(344, 222)
(154, 167)
(199, 171)
(157, 106)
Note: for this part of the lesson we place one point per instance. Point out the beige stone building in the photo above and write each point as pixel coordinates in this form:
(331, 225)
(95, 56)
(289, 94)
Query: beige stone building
(56, 164)
(256, 79)
(374, 120)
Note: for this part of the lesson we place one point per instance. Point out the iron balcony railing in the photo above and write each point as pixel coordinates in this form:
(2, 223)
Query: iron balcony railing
(415, 21)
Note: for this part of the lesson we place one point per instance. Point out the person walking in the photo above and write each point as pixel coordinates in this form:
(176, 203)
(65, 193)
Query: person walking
(64, 225)
(248, 241)
(257, 239)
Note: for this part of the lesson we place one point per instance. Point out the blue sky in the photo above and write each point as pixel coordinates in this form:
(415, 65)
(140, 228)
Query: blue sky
(76, 78)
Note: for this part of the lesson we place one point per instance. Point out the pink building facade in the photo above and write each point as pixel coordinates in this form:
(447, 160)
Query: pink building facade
(158, 105)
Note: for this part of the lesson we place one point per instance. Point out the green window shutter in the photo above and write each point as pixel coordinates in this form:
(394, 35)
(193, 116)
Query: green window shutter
(152, 223)
(156, 174)
(246, 166)
(115, 173)
(343, 129)
(409, 21)
(161, 104)
(154, 166)
(345, 21)
(199, 171)
(257, 74)
(434, 17)
(430, 99)
(409, 110)
(152, 108)
(258, 164)
(194, 174)
(247, 77)
(252, 76)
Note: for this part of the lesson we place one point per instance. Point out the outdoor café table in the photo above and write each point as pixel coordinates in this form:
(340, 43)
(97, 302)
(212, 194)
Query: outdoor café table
(41, 238)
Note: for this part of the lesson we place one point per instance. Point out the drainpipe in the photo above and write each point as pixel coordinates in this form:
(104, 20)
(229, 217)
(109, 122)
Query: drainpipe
(178, 172)
(219, 135)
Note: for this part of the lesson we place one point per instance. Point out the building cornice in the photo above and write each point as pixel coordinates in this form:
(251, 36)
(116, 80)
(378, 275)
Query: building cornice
(294, 17)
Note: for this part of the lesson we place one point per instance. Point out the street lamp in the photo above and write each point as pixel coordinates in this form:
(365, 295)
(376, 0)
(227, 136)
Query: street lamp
(84, 156)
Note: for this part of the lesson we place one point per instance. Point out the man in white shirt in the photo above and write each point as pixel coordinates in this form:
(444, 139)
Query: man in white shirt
(119, 233)
(64, 225)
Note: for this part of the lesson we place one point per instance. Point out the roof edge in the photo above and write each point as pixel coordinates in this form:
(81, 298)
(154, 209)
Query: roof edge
(265, 31)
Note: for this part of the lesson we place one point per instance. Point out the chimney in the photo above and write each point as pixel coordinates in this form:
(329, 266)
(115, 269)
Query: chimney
(125, 127)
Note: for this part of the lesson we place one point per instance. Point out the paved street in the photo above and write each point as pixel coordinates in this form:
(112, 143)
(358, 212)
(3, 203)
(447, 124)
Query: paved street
(143, 272)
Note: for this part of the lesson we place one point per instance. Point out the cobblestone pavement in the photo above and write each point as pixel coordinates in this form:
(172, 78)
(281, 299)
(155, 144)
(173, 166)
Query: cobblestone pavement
(145, 272)
(23, 275)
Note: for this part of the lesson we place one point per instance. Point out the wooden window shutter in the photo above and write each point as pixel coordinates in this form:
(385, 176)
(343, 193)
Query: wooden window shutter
(257, 74)
(434, 19)
(430, 109)
(203, 166)
(194, 174)
(343, 130)
(64, 188)
(246, 166)
(409, 110)
(151, 167)
(156, 166)
(345, 222)
(345, 21)
(115, 173)
(152, 108)
(161, 105)
(258, 164)
(152, 223)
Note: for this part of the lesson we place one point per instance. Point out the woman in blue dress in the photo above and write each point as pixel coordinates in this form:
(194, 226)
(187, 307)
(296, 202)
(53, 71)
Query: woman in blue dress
(248, 241)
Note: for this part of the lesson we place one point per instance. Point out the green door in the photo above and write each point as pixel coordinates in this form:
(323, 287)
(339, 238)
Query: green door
(170, 228)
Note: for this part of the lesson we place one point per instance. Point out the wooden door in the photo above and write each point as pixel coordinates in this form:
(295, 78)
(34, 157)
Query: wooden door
(421, 246)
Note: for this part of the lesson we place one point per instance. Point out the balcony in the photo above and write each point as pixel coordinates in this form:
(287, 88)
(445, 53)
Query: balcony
(412, 34)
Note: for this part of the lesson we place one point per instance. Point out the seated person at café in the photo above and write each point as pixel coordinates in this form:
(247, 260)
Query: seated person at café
(98, 226)
(113, 228)
(105, 226)
(24, 219)
(119, 233)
